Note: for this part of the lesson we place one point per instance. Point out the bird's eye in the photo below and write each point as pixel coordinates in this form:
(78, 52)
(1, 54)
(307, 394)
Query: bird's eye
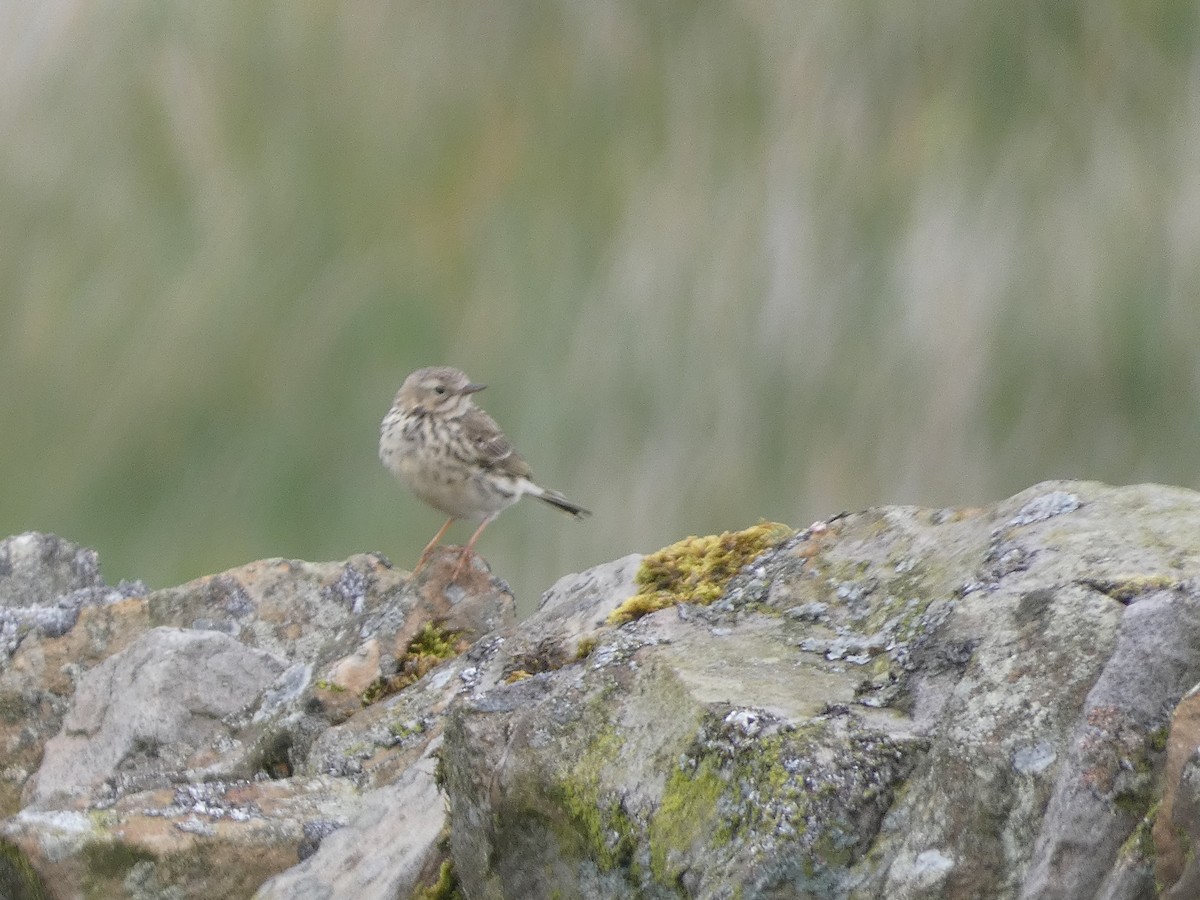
(439, 390)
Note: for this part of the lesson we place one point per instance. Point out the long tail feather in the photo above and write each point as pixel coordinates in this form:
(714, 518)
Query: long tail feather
(554, 498)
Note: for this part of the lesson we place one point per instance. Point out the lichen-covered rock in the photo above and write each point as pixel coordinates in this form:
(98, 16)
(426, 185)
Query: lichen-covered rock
(42, 571)
(397, 833)
(46, 585)
(1175, 829)
(900, 703)
(158, 744)
(166, 705)
(387, 848)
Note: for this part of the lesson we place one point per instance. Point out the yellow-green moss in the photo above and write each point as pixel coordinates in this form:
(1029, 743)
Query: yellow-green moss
(101, 820)
(435, 640)
(595, 819)
(686, 815)
(704, 811)
(585, 647)
(696, 570)
(404, 730)
(1140, 843)
(429, 648)
(445, 888)
(641, 605)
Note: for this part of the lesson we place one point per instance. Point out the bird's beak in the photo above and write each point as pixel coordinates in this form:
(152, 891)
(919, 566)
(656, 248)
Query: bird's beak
(472, 388)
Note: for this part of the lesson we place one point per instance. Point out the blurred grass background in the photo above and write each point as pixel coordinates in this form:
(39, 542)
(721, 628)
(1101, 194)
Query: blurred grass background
(717, 260)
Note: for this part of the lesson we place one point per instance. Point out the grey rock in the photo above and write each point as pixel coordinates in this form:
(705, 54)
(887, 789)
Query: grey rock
(1034, 759)
(152, 710)
(177, 727)
(1107, 774)
(44, 583)
(904, 703)
(972, 713)
(387, 849)
(36, 569)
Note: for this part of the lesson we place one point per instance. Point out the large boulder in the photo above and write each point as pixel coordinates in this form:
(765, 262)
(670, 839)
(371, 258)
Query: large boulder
(903, 703)
(899, 703)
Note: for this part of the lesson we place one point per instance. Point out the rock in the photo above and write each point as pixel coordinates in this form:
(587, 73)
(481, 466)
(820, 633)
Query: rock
(899, 703)
(162, 707)
(161, 743)
(1176, 828)
(39, 570)
(1114, 750)
(384, 852)
(46, 585)
(991, 723)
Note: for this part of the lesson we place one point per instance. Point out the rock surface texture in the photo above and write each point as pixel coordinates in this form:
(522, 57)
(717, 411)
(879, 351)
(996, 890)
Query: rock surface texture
(898, 703)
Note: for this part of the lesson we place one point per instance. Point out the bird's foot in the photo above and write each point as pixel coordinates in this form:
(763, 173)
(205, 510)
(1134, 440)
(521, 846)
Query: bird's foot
(463, 555)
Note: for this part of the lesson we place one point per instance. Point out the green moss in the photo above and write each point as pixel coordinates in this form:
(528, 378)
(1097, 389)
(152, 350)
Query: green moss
(445, 888)
(102, 819)
(585, 647)
(1140, 843)
(833, 849)
(696, 570)
(18, 880)
(603, 826)
(641, 605)
(761, 764)
(435, 640)
(403, 730)
(691, 817)
(775, 791)
(429, 647)
(327, 685)
(687, 816)
(1136, 801)
(380, 688)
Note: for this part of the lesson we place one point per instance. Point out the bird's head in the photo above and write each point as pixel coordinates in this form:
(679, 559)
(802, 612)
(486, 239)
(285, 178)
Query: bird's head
(437, 390)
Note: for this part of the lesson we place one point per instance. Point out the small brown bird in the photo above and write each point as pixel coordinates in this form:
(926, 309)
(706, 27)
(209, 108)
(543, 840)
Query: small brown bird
(454, 456)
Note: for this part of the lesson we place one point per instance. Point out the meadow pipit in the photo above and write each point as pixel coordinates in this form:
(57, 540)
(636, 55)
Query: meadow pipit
(454, 456)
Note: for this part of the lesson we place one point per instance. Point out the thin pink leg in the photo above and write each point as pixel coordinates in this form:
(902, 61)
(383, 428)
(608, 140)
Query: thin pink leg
(429, 547)
(470, 548)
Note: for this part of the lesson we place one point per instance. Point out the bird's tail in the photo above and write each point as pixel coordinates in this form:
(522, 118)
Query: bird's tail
(554, 498)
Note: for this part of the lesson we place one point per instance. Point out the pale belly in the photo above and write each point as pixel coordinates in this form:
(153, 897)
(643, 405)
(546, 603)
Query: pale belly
(452, 489)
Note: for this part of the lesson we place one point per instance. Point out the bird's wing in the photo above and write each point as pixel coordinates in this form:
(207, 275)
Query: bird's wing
(491, 447)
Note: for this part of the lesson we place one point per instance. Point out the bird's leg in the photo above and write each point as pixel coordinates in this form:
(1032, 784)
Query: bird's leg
(470, 548)
(429, 547)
